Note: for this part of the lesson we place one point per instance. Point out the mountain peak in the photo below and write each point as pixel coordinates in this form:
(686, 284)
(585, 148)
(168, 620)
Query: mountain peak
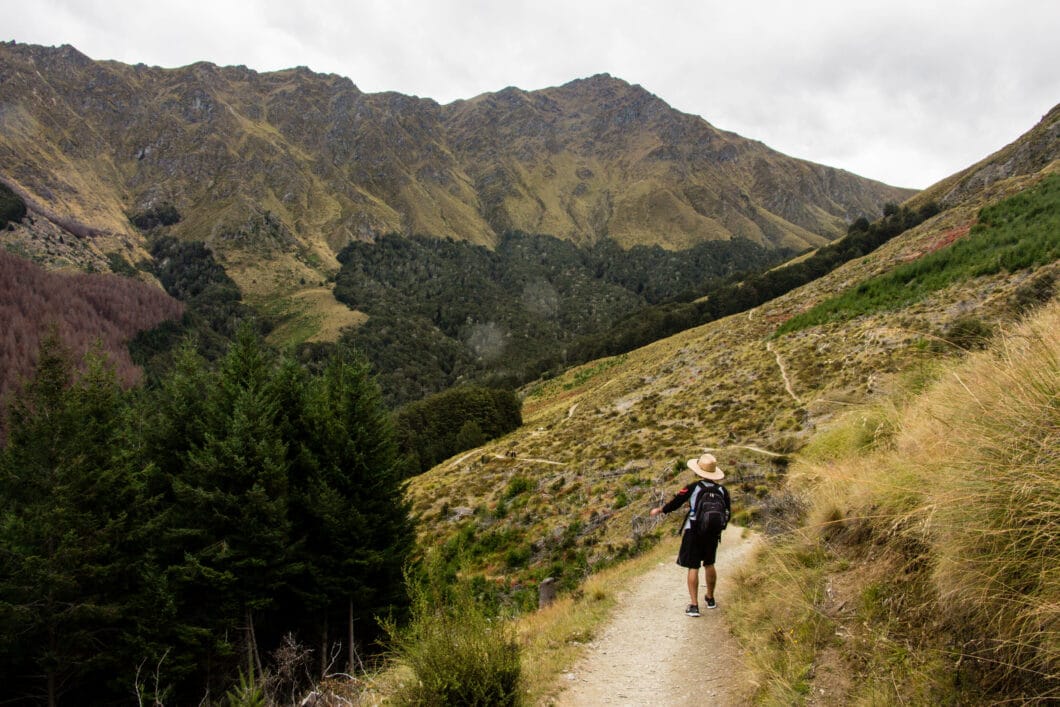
(599, 82)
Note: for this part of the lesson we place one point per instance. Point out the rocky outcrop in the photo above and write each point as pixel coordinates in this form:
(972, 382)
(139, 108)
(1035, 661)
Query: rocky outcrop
(1031, 153)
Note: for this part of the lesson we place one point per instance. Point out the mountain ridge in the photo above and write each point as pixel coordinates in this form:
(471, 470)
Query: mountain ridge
(289, 166)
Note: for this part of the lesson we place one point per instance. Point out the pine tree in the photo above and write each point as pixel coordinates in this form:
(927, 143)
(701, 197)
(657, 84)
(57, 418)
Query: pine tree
(348, 503)
(66, 573)
(222, 542)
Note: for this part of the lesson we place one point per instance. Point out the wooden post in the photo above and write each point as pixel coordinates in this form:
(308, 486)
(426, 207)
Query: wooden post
(546, 592)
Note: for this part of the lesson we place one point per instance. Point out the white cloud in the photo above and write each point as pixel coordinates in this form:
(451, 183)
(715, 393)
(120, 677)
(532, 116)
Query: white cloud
(898, 90)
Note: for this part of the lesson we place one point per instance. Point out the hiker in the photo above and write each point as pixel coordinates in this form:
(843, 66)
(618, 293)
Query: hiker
(699, 540)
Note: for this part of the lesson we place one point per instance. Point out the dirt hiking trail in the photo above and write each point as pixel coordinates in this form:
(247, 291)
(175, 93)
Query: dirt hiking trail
(650, 653)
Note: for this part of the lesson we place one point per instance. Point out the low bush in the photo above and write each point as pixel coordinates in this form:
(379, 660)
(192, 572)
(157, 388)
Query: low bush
(968, 333)
(1035, 292)
(457, 653)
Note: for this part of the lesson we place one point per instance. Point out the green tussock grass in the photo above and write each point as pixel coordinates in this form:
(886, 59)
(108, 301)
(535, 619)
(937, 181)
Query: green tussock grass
(1020, 232)
(925, 569)
(456, 651)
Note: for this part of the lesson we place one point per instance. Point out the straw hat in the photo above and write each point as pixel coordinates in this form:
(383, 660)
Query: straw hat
(707, 467)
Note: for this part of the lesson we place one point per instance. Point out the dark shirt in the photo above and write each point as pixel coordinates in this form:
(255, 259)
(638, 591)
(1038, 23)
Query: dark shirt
(683, 497)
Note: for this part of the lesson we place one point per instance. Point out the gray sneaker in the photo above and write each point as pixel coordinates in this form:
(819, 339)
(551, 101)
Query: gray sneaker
(711, 604)
(692, 610)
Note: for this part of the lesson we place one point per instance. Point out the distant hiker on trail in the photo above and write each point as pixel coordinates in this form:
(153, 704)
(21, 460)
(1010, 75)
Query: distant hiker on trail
(709, 508)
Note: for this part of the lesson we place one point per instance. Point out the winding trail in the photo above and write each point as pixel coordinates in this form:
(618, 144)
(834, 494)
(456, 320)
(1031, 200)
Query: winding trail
(650, 653)
(783, 373)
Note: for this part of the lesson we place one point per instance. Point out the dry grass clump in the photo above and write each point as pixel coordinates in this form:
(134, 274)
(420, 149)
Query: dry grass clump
(926, 566)
(775, 612)
(996, 497)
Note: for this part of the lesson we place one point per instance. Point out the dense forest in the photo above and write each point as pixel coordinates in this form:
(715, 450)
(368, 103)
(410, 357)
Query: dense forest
(214, 307)
(743, 291)
(444, 424)
(445, 312)
(83, 309)
(154, 543)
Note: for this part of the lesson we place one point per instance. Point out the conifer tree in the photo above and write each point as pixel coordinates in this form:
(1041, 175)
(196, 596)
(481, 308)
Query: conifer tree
(347, 502)
(66, 573)
(222, 534)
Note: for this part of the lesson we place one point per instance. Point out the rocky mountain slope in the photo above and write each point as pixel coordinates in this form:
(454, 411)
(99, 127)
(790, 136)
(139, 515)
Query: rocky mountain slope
(278, 171)
(603, 443)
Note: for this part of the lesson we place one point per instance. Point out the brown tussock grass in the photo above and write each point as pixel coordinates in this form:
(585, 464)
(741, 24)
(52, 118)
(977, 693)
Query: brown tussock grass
(926, 566)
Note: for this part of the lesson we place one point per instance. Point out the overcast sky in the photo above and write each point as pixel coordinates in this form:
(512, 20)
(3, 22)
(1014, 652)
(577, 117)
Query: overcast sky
(904, 91)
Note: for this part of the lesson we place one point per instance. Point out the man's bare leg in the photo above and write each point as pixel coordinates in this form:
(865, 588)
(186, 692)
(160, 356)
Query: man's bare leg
(711, 577)
(693, 585)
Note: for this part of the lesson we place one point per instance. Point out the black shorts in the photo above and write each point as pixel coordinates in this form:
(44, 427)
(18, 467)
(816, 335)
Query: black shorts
(696, 551)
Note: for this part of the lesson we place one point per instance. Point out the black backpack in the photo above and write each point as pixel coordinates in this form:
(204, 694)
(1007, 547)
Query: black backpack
(709, 515)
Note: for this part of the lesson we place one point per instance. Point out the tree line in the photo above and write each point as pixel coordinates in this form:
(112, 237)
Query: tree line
(181, 531)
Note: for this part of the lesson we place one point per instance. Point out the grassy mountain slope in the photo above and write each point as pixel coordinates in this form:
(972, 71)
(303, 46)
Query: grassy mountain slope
(925, 568)
(276, 172)
(568, 493)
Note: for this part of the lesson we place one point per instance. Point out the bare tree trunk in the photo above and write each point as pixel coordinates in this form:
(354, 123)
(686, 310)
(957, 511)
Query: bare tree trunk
(353, 650)
(53, 644)
(249, 638)
(253, 659)
(324, 648)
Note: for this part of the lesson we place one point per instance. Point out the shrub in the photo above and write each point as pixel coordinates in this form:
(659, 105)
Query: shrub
(12, 208)
(1035, 292)
(968, 333)
(458, 654)
(518, 485)
(119, 265)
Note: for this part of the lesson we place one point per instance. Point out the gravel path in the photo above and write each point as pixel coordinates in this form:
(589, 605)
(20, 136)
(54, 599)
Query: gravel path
(652, 654)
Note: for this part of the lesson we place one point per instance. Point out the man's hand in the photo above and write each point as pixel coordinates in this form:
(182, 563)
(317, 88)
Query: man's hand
(655, 511)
